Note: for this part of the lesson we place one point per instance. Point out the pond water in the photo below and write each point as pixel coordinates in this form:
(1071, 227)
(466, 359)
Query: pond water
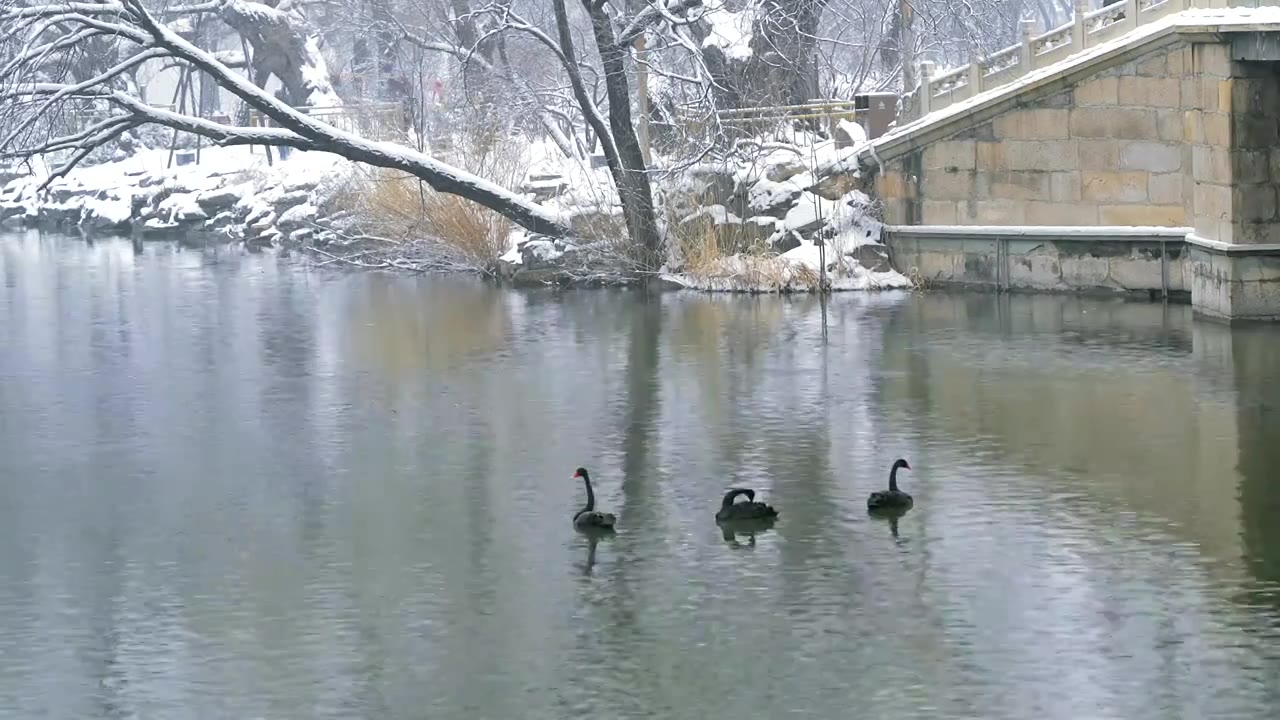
(232, 486)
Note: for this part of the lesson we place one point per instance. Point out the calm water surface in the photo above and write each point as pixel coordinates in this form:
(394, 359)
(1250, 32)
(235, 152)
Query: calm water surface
(231, 487)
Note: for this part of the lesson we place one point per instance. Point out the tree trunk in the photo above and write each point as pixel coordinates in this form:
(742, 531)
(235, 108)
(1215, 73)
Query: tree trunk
(634, 189)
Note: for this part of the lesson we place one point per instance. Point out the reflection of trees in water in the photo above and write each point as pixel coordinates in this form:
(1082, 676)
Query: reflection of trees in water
(406, 328)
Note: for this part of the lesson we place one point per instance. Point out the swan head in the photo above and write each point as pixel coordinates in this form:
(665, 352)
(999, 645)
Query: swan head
(581, 473)
(900, 463)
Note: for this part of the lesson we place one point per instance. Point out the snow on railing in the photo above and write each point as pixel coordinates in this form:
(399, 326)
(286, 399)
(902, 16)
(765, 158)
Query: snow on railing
(1088, 29)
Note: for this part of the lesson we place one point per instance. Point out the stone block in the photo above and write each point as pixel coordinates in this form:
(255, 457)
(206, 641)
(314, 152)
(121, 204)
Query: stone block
(1212, 202)
(1212, 59)
(1138, 91)
(1253, 203)
(1169, 125)
(1040, 124)
(1193, 127)
(1159, 215)
(1274, 154)
(1211, 164)
(1100, 91)
(1254, 130)
(1177, 60)
(1150, 156)
(1259, 232)
(1227, 92)
(1020, 185)
(959, 154)
(999, 212)
(895, 211)
(1251, 166)
(1114, 187)
(943, 185)
(890, 185)
(1116, 122)
(1060, 213)
(938, 212)
(1040, 155)
(1165, 189)
(1064, 187)
(990, 156)
(1155, 66)
(1099, 154)
(1191, 93)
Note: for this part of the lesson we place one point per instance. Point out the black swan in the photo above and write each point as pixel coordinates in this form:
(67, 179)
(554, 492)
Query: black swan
(749, 510)
(893, 498)
(587, 518)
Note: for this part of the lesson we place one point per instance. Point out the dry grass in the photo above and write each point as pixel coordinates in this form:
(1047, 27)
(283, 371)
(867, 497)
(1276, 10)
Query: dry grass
(398, 206)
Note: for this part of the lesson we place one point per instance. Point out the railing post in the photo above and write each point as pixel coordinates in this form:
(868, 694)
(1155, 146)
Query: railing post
(975, 75)
(1078, 35)
(1028, 58)
(1131, 13)
(926, 86)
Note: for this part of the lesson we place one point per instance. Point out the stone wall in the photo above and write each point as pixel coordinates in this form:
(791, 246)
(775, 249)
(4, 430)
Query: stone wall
(1108, 151)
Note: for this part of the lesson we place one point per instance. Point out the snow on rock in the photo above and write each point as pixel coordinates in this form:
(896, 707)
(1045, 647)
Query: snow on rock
(730, 31)
(229, 187)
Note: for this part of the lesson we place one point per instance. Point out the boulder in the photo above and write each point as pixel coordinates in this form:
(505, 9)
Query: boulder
(784, 171)
(871, 257)
(834, 187)
(291, 198)
(215, 201)
(787, 242)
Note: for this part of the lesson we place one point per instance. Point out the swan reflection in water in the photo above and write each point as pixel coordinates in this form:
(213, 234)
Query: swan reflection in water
(891, 515)
(733, 529)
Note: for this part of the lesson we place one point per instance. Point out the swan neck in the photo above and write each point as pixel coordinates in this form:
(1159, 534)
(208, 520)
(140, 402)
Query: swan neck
(893, 479)
(591, 496)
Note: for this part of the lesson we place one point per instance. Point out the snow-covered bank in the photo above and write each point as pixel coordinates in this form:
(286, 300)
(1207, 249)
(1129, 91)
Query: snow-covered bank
(763, 220)
(233, 191)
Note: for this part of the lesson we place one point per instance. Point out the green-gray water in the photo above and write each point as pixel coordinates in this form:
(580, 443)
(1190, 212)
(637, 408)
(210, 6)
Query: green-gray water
(232, 487)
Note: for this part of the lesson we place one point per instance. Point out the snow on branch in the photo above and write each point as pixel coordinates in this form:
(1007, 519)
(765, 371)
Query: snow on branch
(26, 87)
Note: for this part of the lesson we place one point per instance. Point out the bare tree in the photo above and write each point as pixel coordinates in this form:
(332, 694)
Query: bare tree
(34, 86)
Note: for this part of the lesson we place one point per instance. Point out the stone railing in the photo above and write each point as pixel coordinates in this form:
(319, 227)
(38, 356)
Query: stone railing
(1089, 29)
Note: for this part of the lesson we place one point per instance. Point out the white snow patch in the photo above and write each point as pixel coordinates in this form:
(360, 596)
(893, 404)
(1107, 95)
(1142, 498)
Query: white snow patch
(730, 31)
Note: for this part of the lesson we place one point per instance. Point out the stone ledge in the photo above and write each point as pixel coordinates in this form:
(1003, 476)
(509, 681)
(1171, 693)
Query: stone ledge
(1144, 261)
(1225, 248)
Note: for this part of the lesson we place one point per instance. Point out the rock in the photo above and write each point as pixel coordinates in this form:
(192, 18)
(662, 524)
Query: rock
(784, 171)
(299, 185)
(296, 217)
(291, 198)
(848, 134)
(717, 188)
(834, 187)
(789, 241)
(871, 257)
(214, 201)
(539, 254)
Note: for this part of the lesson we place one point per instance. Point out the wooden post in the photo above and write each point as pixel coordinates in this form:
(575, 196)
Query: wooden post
(1028, 57)
(1078, 36)
(926, 86)
(975, 75)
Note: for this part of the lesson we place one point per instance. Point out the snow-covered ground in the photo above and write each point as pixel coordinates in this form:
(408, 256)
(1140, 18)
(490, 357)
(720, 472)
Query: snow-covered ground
(231, 190)
(798, 210)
